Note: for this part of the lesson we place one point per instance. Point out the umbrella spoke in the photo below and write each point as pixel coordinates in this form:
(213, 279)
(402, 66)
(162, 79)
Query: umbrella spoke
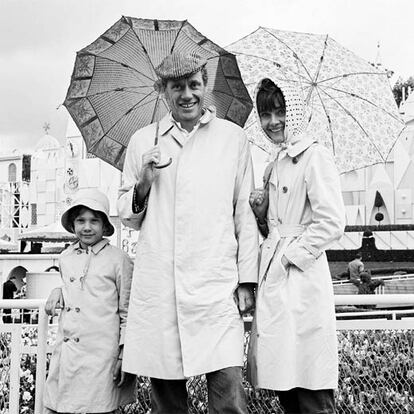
(133, 108)
(293, 74)
(345, 110)
(125, 65)
(297, 58)
(328, 119)
(318, 70)
(178, 34)
(354, 95)
(128, 20)
(347, 75)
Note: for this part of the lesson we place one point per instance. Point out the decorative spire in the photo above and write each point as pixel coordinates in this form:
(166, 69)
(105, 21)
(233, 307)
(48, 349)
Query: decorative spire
(378, 59)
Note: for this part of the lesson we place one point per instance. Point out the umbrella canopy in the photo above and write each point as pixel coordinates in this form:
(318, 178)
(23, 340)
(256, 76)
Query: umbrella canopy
(52, 233)
(113, 90)
(350, 102)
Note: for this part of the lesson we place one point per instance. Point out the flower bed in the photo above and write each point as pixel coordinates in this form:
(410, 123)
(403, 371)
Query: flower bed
(376, 374)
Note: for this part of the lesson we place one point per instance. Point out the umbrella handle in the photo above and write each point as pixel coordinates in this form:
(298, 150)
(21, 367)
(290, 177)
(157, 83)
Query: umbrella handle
(159, 166)
(166, 164)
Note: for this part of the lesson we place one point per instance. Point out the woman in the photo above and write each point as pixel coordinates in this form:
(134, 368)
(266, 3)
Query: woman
(300, 212)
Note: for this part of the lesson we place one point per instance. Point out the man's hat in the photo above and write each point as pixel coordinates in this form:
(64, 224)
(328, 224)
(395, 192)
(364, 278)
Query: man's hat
(178, 65)
(94, 200)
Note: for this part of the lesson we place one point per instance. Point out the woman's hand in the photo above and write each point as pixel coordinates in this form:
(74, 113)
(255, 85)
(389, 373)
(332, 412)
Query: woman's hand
(259, 202)
(54, 301)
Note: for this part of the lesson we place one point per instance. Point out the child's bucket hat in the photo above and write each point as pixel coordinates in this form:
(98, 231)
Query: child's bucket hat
(94, 200)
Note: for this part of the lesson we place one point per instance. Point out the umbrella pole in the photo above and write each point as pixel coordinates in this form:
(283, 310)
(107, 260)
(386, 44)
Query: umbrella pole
(157, 130)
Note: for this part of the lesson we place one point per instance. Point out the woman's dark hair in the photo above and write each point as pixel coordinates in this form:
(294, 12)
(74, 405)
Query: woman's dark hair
(75, 211)
(268, 97)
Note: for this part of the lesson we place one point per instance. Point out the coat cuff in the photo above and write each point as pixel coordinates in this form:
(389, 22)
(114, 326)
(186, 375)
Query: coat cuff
(126, 213)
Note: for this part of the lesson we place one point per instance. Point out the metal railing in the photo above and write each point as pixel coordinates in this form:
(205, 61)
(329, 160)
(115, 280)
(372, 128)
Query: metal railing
(376, 363)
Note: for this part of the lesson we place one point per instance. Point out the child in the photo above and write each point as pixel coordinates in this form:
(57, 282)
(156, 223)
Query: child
(85, 368)
(293, 345)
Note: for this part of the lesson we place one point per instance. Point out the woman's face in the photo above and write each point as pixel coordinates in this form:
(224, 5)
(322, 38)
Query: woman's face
(273, 123)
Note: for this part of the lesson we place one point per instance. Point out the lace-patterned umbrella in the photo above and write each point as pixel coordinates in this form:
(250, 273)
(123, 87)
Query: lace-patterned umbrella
(113, 90)
(350, 102)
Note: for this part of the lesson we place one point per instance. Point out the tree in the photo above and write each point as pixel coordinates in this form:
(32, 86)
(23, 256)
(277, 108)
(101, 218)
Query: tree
(399, 86)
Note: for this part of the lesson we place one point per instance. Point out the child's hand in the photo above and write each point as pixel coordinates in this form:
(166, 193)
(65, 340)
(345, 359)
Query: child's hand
(259, 202)
(54, 301)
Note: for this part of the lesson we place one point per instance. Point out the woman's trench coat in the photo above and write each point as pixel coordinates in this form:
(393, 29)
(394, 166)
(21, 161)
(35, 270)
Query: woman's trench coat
(198, 240)
(293, 341)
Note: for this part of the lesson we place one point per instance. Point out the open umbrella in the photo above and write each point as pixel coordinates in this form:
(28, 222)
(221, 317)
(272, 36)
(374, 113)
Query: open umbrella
(113, 90)
(351, 105)
(51, 233)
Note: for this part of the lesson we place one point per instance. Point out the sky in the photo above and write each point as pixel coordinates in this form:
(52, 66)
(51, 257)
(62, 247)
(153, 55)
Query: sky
(39, 40)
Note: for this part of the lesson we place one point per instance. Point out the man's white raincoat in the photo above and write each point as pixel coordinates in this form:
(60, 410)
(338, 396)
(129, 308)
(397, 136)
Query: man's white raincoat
(293, 342)
(198, 240)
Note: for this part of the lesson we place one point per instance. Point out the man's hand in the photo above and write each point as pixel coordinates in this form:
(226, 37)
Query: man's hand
(54, 301)
(244, 296)
(119, 376)
(149, 159)
(147, 174)
(259, 202)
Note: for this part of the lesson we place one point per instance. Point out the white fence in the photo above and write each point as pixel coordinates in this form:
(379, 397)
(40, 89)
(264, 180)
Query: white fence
(367, 332)
(14, 331)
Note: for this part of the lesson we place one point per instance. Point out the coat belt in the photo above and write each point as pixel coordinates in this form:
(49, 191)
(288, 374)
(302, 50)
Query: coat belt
(285, 230)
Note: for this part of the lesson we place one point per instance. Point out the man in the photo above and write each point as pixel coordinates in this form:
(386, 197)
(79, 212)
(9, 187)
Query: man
(9, 290)
(197, 252)
(355, 267)
(367, 286)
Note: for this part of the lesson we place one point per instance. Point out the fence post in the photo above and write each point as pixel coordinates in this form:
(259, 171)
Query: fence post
(14, 388)
(41, 359)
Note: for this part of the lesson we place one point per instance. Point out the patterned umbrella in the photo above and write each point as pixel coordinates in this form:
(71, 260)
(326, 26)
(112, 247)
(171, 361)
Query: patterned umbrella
(113, 90)
(351, 105)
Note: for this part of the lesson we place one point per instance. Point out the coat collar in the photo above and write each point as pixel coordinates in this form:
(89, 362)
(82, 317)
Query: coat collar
(168, 125)
(302, 144)
(96, 248)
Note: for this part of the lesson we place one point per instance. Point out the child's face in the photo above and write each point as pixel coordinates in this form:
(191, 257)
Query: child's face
(273, 123)
(88, 227)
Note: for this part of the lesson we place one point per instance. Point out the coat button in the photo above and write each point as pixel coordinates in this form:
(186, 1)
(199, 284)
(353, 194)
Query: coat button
(65, 339)
(68, 309)
(76, 339)
(294, 160)
(284, 189)
(72, 279)
(77, 309)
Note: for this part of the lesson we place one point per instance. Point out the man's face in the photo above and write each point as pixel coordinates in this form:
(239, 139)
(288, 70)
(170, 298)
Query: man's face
(186, 99)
